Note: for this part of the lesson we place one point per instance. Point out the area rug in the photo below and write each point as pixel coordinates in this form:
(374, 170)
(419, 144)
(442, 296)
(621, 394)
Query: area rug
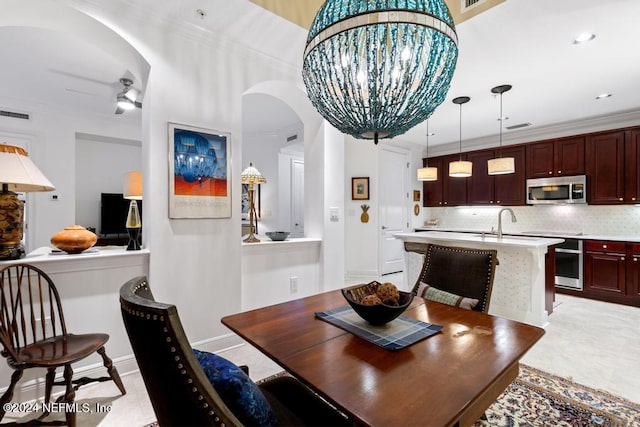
(539, 399)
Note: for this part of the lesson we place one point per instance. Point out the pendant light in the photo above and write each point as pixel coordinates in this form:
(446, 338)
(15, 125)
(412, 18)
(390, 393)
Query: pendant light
(375, 69)
(460, 168)
(501, 165)
(427, 173)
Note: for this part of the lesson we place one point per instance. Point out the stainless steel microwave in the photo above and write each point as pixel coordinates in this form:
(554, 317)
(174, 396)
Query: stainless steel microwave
(557, 190)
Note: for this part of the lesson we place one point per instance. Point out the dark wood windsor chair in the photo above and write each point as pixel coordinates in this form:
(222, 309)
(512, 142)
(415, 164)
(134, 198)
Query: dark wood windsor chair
(34, 335)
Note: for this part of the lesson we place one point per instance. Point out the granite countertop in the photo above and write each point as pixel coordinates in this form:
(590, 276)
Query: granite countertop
(540, 233)
(520, 241)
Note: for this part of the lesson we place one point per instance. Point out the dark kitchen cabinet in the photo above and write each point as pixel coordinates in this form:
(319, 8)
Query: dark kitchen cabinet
(605, 165)
(432, 190)
(605, 265)
(510, 189)
(446, 191)
(557, 157)
(632, 166)
(633, 273)
(506, 190)
(480, 185)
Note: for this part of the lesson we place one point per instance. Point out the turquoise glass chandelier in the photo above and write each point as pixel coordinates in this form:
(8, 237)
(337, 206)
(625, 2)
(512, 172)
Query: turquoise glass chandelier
(376, 68)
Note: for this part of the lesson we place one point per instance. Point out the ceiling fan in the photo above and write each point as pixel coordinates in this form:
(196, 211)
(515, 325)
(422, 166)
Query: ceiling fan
(127, 98)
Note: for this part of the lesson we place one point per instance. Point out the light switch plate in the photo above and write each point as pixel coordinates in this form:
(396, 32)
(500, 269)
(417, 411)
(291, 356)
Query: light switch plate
(334, 214)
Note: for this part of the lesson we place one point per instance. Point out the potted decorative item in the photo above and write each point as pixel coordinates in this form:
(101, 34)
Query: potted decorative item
(74, 239)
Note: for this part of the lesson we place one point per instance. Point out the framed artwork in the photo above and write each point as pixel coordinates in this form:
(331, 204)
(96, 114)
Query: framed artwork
(416, 195)
(360, 188)
(199, 172)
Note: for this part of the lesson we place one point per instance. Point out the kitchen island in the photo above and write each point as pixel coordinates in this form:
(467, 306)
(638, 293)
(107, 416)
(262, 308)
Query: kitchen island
(519, 282)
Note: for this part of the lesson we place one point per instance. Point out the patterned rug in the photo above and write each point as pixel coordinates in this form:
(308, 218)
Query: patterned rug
(540, 399)
(537, 398)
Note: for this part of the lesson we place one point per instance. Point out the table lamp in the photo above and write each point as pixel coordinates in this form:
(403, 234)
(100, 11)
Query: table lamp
(252, 176)
(133, 191)
(17, 173)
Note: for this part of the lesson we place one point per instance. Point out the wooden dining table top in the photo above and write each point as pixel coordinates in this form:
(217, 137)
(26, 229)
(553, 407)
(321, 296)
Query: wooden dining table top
(449, 378)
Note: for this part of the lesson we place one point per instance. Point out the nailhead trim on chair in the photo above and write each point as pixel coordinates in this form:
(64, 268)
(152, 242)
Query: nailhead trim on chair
(168, 339)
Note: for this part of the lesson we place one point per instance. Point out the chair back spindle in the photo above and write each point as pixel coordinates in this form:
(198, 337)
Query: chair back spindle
(30, 308)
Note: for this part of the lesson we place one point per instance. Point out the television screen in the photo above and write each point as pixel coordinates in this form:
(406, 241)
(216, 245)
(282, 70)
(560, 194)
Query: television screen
(113, 213)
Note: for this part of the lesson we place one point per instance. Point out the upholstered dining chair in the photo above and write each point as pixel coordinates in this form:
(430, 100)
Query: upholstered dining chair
(34, 334)
(190, 387)
(464, 272)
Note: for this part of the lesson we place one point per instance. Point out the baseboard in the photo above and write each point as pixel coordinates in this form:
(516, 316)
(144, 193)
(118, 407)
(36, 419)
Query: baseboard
(34, 389)
(361, 273)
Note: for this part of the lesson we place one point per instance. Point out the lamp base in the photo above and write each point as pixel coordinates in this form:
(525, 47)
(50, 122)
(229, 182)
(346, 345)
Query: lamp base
(11, 225)
(11, 252)
(134, 244)
(251, 239)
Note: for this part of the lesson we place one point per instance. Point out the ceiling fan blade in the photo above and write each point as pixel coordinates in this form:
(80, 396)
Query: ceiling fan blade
(137, 104)
(132, 94)
(119, 110)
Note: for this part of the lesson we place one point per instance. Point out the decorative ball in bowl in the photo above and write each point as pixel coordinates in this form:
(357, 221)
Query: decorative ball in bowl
(377, 303)
(277, 236)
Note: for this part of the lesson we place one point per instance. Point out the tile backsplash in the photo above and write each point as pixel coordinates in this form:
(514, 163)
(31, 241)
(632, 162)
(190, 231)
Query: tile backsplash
(585, 219)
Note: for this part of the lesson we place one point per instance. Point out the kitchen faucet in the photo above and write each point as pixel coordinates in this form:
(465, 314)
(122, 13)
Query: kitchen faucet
(513, 219)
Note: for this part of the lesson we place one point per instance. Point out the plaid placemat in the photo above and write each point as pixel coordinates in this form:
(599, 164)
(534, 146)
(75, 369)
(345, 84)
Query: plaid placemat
(399, 333)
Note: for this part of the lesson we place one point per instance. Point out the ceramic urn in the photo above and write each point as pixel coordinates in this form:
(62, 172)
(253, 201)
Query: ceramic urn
(74, 239)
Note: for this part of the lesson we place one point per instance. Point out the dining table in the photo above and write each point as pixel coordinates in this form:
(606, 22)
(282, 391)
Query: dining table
(446, 379)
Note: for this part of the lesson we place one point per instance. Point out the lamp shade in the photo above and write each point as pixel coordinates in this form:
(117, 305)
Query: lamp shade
(19, 173)
(251, 175)
(375, 69)
(460, 169)
(428, 174)
(501, 166)
(132, 185)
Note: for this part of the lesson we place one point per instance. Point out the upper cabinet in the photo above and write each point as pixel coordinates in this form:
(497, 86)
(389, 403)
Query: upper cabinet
(446, 191)
(510, 188)
(557, 157)
(605, 158)
(506, 190)
(632, 166)
(611, 161)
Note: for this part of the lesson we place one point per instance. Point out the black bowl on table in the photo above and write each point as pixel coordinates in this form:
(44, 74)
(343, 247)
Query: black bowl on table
(377, 314)
(277, 236)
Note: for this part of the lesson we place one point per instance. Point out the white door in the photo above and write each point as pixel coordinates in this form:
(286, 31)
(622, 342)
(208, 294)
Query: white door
(394, 218)
(297, 198)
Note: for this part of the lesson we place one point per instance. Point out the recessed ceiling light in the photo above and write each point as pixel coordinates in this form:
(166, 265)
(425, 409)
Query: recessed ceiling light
(604, 95)
(583, 38)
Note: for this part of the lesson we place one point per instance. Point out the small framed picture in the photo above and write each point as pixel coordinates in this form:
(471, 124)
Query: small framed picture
(416, 195)
(360, 188)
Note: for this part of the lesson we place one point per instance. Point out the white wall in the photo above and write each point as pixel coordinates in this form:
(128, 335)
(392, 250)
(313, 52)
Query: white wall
(362, 160)
(194, 263)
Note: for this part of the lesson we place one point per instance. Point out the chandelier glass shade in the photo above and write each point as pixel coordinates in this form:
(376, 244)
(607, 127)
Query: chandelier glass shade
(376, 68)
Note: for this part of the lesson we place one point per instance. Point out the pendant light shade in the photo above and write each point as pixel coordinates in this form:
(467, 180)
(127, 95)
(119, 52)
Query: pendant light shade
(375, 69)
(427, 173)
(501, 165)
(460, 168)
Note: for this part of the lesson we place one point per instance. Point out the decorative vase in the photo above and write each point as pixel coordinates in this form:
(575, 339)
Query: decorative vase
(74, 239)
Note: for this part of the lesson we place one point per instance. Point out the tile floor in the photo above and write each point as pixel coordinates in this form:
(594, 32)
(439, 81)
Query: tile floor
(594, 343)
